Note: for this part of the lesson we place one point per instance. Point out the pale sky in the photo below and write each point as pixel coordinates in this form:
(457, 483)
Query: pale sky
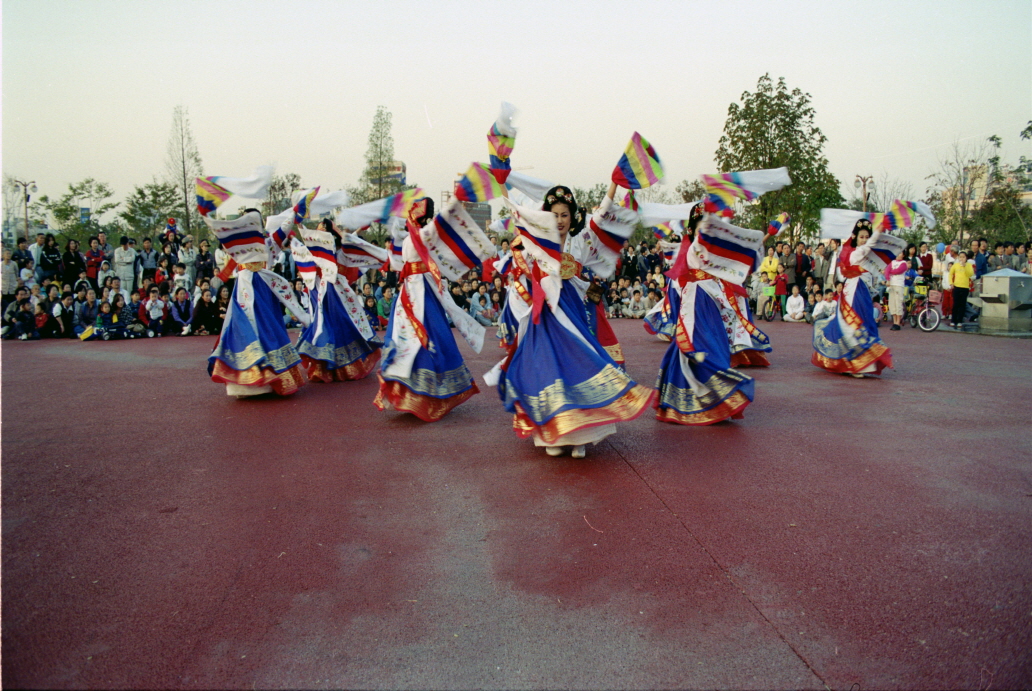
(89, 85)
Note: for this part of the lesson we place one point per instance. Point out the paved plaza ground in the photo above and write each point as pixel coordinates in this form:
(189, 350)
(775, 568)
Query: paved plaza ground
(157, 533)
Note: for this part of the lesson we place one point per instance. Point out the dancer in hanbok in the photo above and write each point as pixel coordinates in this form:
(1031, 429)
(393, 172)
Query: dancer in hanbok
(847, 341)
(697, 384)
(339, 344)
(422, 370)
(563, 387)
(254, 353)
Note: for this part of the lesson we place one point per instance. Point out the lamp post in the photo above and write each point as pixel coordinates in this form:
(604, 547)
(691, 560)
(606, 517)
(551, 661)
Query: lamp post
(27, 189)
(864, 182)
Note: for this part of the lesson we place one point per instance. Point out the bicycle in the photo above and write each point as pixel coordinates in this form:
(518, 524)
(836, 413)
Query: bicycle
(773, 305)
(927, 316)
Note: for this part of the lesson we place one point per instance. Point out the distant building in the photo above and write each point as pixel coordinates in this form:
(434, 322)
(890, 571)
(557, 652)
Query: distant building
(480, 212)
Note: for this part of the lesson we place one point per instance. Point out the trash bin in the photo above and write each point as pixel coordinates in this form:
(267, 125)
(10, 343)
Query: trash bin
(1006, 302)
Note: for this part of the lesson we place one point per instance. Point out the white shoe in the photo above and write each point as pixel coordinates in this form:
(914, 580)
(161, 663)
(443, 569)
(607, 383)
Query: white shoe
(554, 450)
(579, 452)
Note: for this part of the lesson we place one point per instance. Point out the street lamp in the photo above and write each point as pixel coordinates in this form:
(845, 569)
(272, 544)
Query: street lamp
(864, 182)
(27, 189)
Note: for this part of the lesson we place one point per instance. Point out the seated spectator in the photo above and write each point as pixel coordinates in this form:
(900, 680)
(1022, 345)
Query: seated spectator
(23, 322)
(383, 306)
(370, 309)
(497, 303)
(104, 273)
(60, 324)
(180, 279)
(795, 307)
(635, 309)
(477, 305)
(177, 323)
(811, 304)
(108, 325)
(41, 316)
(826, 307)
(205, 316)
(86, 314)
(222, 306)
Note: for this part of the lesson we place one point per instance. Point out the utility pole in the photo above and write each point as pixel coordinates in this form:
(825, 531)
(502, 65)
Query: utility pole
(26, 191)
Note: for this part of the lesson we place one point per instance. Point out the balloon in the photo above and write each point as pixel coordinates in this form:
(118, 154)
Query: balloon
(940, 248)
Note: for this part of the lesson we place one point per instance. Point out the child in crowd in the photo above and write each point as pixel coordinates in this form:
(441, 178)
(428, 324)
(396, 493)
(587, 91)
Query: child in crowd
(108, 326)
(23, 325)
(371, 314)
(105, 273)
(781, 288)
(40, 314)
(28, 274)
(826, 307)
(180, 279)
(811, 304)
(155, 310)
(795, 307)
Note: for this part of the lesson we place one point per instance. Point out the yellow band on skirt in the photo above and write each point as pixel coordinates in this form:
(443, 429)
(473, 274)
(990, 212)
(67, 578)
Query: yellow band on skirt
(629, 406)
(393, 394)
(359, 369)
(284, 383)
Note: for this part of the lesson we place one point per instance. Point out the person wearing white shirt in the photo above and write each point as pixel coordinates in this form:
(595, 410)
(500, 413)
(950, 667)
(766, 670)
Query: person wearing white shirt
(117, 289)
(795, 307)
(826, 307)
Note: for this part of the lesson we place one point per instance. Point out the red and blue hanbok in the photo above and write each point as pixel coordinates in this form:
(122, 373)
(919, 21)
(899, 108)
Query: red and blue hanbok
(422, 370)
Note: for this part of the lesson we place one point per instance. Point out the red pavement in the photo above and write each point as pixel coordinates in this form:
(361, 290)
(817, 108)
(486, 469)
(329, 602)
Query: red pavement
(157, 533)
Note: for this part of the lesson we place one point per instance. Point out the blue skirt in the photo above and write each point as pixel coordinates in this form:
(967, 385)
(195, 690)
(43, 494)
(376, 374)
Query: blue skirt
(240, 347)
(339, 346)
(847, 341)
(440, 379)
(557, 383)
(728, 391)
(665, 321)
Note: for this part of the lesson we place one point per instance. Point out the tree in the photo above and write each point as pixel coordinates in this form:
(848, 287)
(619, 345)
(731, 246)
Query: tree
(280, 191)
(591, 197)
(67, 215)
(182, 165)
(148, 207)
(771, 128)
(690, 191)
(959, 183)
(376, 181)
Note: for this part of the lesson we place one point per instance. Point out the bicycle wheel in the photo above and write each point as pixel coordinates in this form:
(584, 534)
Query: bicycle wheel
(768, 311)
(928, 320)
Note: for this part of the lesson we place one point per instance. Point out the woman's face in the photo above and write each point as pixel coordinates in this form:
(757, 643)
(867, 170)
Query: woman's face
(563, 218)
(166, 248)
(924, 247)
(206, 296)
(204, 245)
(770, 251)
(94, 244)
(73, 246)
(862, 237)
(223, 292)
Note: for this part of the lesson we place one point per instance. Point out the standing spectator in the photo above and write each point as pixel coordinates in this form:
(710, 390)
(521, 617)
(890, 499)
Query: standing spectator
(828, 280)
(148, 261)
(105, 246)
(769, 266)
(980, 259)
(369, 304)
(895, 274)
(74, 263)
(168, 253)
(781, 284)
(10, 279)
(926, 259)
(188, 258)
(37, 255)
(94, 258)
(961, 275)
(999, 260)
(1022, 257)
(49, 260)
(788, 260)
(125, 264)
(803, 265)
(22, 254)
(205, 261)
(154, 311)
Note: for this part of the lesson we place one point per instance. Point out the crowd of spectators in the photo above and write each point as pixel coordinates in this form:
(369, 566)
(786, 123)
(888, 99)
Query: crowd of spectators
(168, 287)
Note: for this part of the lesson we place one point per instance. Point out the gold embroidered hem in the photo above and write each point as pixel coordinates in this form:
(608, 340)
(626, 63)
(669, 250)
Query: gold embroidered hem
(615, 352)
(280, 359)
(749, 358)
(395, 395)
(428, 382)
(877, 355)
(284, 383)
(607, 385)
(731, 408)
(722, 385)
(627, 407)
(359, 369)
(344, 355)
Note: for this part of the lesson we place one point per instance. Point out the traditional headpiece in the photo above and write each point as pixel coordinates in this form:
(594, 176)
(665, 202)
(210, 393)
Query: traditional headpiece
(563, 195)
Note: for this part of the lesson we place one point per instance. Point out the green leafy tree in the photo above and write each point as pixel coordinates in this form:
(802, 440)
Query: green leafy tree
(376, 182)
(690, 191)
(999, 217)
(65, 212)
(590, 197)
(771, 128)
(148, 207)
(282, 187)
(182, 166)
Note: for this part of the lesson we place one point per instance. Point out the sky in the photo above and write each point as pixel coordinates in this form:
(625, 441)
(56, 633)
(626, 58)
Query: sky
(89, 87)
